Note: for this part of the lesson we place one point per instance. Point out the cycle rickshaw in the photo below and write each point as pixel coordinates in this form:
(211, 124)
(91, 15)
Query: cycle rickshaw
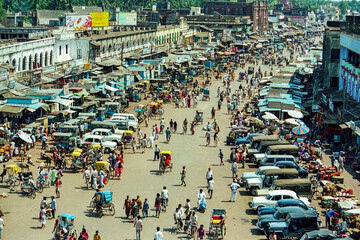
(215, 223)
(66, 226)
(103, 204)
(165, 162)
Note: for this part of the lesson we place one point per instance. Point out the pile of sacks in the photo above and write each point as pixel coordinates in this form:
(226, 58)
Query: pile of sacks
(329, 189)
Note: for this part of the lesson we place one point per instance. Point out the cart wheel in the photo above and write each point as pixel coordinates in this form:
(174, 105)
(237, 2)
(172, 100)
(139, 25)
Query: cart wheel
(40, 188)
(92, 206)
(112, 210)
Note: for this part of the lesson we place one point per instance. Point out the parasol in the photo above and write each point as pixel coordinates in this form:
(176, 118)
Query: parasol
(295, 114)
(300, 130)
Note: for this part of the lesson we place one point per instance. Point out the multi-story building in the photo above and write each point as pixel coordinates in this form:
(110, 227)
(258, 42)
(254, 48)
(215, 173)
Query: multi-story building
(331, 55)
(256, 10)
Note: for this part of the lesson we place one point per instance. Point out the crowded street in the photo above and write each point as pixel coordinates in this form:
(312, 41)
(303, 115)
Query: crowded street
(193, 162)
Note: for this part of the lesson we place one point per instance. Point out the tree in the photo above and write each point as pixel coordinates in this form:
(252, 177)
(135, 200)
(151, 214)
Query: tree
(2, 11)
(343, 6)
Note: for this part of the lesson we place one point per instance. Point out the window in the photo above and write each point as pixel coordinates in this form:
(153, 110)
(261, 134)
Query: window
(287, 197)
(270, 160)
(335, 54)
(59, 50)
(276, 198)
(67, 49)
(79, 55)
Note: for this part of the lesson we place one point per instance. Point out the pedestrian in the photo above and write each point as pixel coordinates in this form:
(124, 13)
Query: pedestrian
(341, 162)
(138, 225)
(183, 176)
(171, 123)
(209, 174)
(201, 196)
(53, 206)
(145, 210)
(234, 168)
(221, 156)
(139, 206)
(158, 235)
(143, 143)
(127, 206)
(151, 141)
(201, 233)
(187, 207)
(208, 136)
(43, 217)
(211, 187)
(175, 127)
(94, 176)
(164, 198)
(43, 142)
(57, 187)
(86, 176)
(242, 157)
(96, 235)
(157, 153)
(331, 213)
(234, 186)
(2, 225)
(213, 113)
(139, 135)
(133, 145)
(157, 205)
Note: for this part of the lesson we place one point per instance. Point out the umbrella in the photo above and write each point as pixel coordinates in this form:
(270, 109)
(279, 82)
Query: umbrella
(24, 136)
(353, 211)
(269, 116)
(292, 121)
(295, 114)
(300, 130)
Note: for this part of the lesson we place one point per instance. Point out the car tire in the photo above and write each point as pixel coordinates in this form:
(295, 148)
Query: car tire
(253, 191)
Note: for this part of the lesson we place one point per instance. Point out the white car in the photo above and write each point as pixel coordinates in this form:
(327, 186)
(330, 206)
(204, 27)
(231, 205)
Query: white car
(130, 118)
(271, 199)
(107, 135)
(99, 140)
(248, 175)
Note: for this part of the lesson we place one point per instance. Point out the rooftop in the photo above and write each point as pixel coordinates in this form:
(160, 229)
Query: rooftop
(116, 34)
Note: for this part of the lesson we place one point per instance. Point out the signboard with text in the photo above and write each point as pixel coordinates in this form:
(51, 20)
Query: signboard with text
(78, 22)
(100, 19)
(127, 18)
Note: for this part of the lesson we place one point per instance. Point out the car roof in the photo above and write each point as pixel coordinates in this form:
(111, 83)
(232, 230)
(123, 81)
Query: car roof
(304, 214)
(284, 147)
(283, 192)
(289, 201)
(285, 163)
(290, 209)
(278, 156)
(320, 233)
(101, 130)
(268, 167)
(93, 136)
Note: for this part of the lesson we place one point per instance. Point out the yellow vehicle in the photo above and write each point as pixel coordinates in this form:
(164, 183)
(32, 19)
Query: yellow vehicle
(101, 165)
(165, 162)
(79, 150)
(12, 169)
(127, 136)
(96, 146)
(76, 161)
(160, 102)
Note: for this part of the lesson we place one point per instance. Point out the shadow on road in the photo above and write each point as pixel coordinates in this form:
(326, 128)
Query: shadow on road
(256, 232)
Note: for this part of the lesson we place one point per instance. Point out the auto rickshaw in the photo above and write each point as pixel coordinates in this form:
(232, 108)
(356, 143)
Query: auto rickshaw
(76, 161)
(67, 223)
(101, 165)
(103, 203)
(127, 136)
(165, 162)
(100, 114)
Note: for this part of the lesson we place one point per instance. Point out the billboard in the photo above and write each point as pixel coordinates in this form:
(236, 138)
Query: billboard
(100, 19)
(78, 22)
(127, 18)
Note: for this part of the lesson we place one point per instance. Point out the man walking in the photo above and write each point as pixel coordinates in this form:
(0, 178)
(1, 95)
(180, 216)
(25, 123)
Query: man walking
(209, 174)
(211, 187)
(158, 234)
(157, 153)
(53, 206)
(234, 186)
(138, 225)
(234, 168)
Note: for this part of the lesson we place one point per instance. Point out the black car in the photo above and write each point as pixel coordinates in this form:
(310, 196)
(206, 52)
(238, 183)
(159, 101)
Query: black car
(303, 173)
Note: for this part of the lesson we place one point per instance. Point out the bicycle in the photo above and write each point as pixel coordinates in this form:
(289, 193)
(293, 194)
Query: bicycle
(192, 231)
(315, 188)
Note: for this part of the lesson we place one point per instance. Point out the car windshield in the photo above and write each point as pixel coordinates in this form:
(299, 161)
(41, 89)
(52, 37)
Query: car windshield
(268, 197)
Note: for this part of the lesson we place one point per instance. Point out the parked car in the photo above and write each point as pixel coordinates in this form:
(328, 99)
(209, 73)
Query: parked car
(303, 172)
(108, 146)
(256, 140)
(107, 135)
(271, 199)
(294, 226)
(260, 171)
(271, 160)
(290, 149)
(247, 139)
(320, 234)
(301, 186)
(279, 216)
(262, 148)
(267, 179)
(281, 204)
(131, 118)
(235, 134)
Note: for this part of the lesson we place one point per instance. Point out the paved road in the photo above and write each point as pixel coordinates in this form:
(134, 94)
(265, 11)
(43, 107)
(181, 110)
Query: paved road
(140, 177)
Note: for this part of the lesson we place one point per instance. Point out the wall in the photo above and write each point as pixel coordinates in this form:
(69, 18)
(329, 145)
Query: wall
(331, 63)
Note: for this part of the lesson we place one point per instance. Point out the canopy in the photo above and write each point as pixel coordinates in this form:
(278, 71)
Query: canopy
(269, 116)
(292, 121)
(353, 211)
(24, 136)
(300, 130)
(295, 114)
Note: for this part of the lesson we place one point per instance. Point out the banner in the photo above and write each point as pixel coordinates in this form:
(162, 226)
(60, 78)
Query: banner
(78, 22)
(100, 19)
(127, 18)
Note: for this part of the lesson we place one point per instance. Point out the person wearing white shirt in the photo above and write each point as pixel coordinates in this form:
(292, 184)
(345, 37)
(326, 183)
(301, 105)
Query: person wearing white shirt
(234, 186)
(200, 196)
(209, 174)
(158, 234)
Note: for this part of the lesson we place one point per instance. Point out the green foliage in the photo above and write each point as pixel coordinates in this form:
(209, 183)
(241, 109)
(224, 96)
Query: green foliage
(2, 11)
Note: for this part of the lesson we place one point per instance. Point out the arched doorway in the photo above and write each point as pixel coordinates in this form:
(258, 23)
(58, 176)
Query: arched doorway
(51, 57)
(24, 64)
(30, 62)
(46, 59)
(19, 65)
(14, 63)
(41, 59)
(109, 48)
(36, 60)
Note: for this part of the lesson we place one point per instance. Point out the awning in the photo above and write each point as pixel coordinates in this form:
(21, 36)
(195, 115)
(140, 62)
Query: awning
(24, 136)
(69, 111)
(95, 44)
(112, 89)
(35, 106)
(11, 109)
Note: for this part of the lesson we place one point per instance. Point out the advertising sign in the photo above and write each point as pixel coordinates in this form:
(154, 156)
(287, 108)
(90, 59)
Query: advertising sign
(78, 22)
(100, 19)
(127, 18)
